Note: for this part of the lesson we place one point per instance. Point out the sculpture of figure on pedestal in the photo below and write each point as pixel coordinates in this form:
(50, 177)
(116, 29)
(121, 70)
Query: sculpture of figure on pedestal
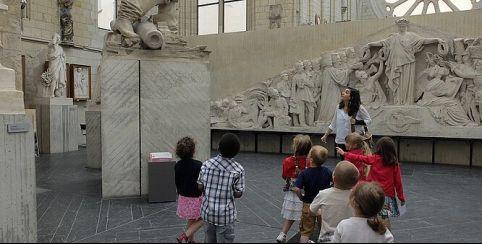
(55, 78)
(66, 22)
(400, 65)
(440, 97)
(132, 12)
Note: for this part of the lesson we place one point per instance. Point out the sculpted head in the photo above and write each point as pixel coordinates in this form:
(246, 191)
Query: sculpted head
(403, 25)
(299, 66)
(335, 57)
(350, 53)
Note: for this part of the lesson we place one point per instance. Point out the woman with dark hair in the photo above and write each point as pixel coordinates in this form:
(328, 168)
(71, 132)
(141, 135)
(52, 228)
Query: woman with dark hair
(350, 112)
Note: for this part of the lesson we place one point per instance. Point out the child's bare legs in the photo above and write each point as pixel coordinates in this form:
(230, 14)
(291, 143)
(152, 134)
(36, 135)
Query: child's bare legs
(192, 227)
(287, 226)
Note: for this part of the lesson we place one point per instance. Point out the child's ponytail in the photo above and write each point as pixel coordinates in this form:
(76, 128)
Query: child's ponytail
(366, 148)
(377, 225)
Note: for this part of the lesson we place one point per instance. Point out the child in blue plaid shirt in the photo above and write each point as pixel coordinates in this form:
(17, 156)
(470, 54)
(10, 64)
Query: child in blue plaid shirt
(222, 180)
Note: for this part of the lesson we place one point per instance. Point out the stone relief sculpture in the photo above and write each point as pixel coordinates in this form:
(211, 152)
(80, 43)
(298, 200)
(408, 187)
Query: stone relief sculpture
(134, 27)
(66, 22)
(400, 63)
(55, 78)
(3, 6)
(403, 80)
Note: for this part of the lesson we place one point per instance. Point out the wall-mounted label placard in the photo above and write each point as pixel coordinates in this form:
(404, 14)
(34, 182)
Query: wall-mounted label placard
(18, 128)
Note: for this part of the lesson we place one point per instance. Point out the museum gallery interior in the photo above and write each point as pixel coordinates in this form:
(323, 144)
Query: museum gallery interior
(96, 95)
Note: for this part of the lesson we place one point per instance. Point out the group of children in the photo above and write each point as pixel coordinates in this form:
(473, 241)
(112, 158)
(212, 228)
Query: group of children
(351, 204)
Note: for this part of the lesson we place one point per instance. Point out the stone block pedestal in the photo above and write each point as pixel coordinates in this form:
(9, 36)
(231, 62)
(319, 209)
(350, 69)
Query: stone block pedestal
(94, 138)
(58, 126)
(18, 207)
(150, 100)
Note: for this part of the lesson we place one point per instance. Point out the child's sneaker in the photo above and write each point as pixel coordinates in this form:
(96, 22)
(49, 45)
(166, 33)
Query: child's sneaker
(281, 238)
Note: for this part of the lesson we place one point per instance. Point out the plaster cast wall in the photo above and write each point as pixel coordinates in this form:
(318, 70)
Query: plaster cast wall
(240, 60)
(10, 54)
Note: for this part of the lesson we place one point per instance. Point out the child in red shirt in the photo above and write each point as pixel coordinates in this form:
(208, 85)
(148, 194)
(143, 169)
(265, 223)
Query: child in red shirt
(292, 166)
(385, 170)
(356, 145)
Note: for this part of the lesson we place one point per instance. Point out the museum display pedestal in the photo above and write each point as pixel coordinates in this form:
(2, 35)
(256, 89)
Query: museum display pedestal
(58, 127)
(93, 136)
(150, 100)
(18, 207)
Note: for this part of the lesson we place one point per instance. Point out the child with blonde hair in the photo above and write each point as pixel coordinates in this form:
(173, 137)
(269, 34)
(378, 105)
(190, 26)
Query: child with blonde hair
(333, 204)
(292, 166)
(312, 181)
(356, 144)
(385, 169)
(367, 200)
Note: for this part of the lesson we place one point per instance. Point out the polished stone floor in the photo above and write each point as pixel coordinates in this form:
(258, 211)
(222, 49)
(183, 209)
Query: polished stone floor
(444, 205)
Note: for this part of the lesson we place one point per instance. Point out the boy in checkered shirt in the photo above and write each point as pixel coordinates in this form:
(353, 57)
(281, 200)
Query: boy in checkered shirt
(222, 180)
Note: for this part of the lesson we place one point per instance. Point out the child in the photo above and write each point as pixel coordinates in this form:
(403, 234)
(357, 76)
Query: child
(367, 200)
(190, 198)
(385, 170)
(222, 180)
(292, 166)
(312, 180)
(334, 203)
(356, 145)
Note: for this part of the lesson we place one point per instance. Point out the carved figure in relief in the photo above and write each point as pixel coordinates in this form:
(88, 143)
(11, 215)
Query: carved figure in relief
(276, 112)
(334, 77)
(302, 86)
(464, 69)
(440, 97)
(371, 91)
(238, 116)
(400, 65)
(55, 78)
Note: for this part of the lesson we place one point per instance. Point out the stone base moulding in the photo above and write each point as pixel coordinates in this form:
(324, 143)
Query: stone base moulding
(58, 126)
(18, 207)
(150, 100)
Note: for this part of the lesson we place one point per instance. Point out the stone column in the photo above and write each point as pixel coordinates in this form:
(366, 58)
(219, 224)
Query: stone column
(58, 127)
(94, 138)
(18, 207)
(150, 100)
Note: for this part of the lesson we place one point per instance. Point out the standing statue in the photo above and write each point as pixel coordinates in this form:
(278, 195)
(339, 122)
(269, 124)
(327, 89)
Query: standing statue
(400, 65)
(66, 22)
(56, 76)
(334, 77)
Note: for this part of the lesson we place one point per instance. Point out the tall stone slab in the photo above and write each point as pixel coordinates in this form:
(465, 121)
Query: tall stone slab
(18, 206)
(93, 137)
(174, 104)
(58, 126)
(150, 99)
(120, 127)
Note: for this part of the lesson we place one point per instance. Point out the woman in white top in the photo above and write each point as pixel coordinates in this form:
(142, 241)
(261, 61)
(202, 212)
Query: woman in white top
(349, 107)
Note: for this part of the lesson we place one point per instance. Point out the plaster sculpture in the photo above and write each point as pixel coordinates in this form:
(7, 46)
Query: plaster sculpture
(11, 100)
(401, 61)
(66, 21)
(55, 78)
(404, 80)
(134, 26)
(3, 6)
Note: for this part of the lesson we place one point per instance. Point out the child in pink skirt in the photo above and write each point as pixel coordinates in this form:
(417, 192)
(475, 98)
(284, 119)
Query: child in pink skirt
(189, 197)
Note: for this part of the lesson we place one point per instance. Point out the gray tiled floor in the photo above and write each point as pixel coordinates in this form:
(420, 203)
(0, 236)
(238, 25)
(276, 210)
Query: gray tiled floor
(445, 205)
